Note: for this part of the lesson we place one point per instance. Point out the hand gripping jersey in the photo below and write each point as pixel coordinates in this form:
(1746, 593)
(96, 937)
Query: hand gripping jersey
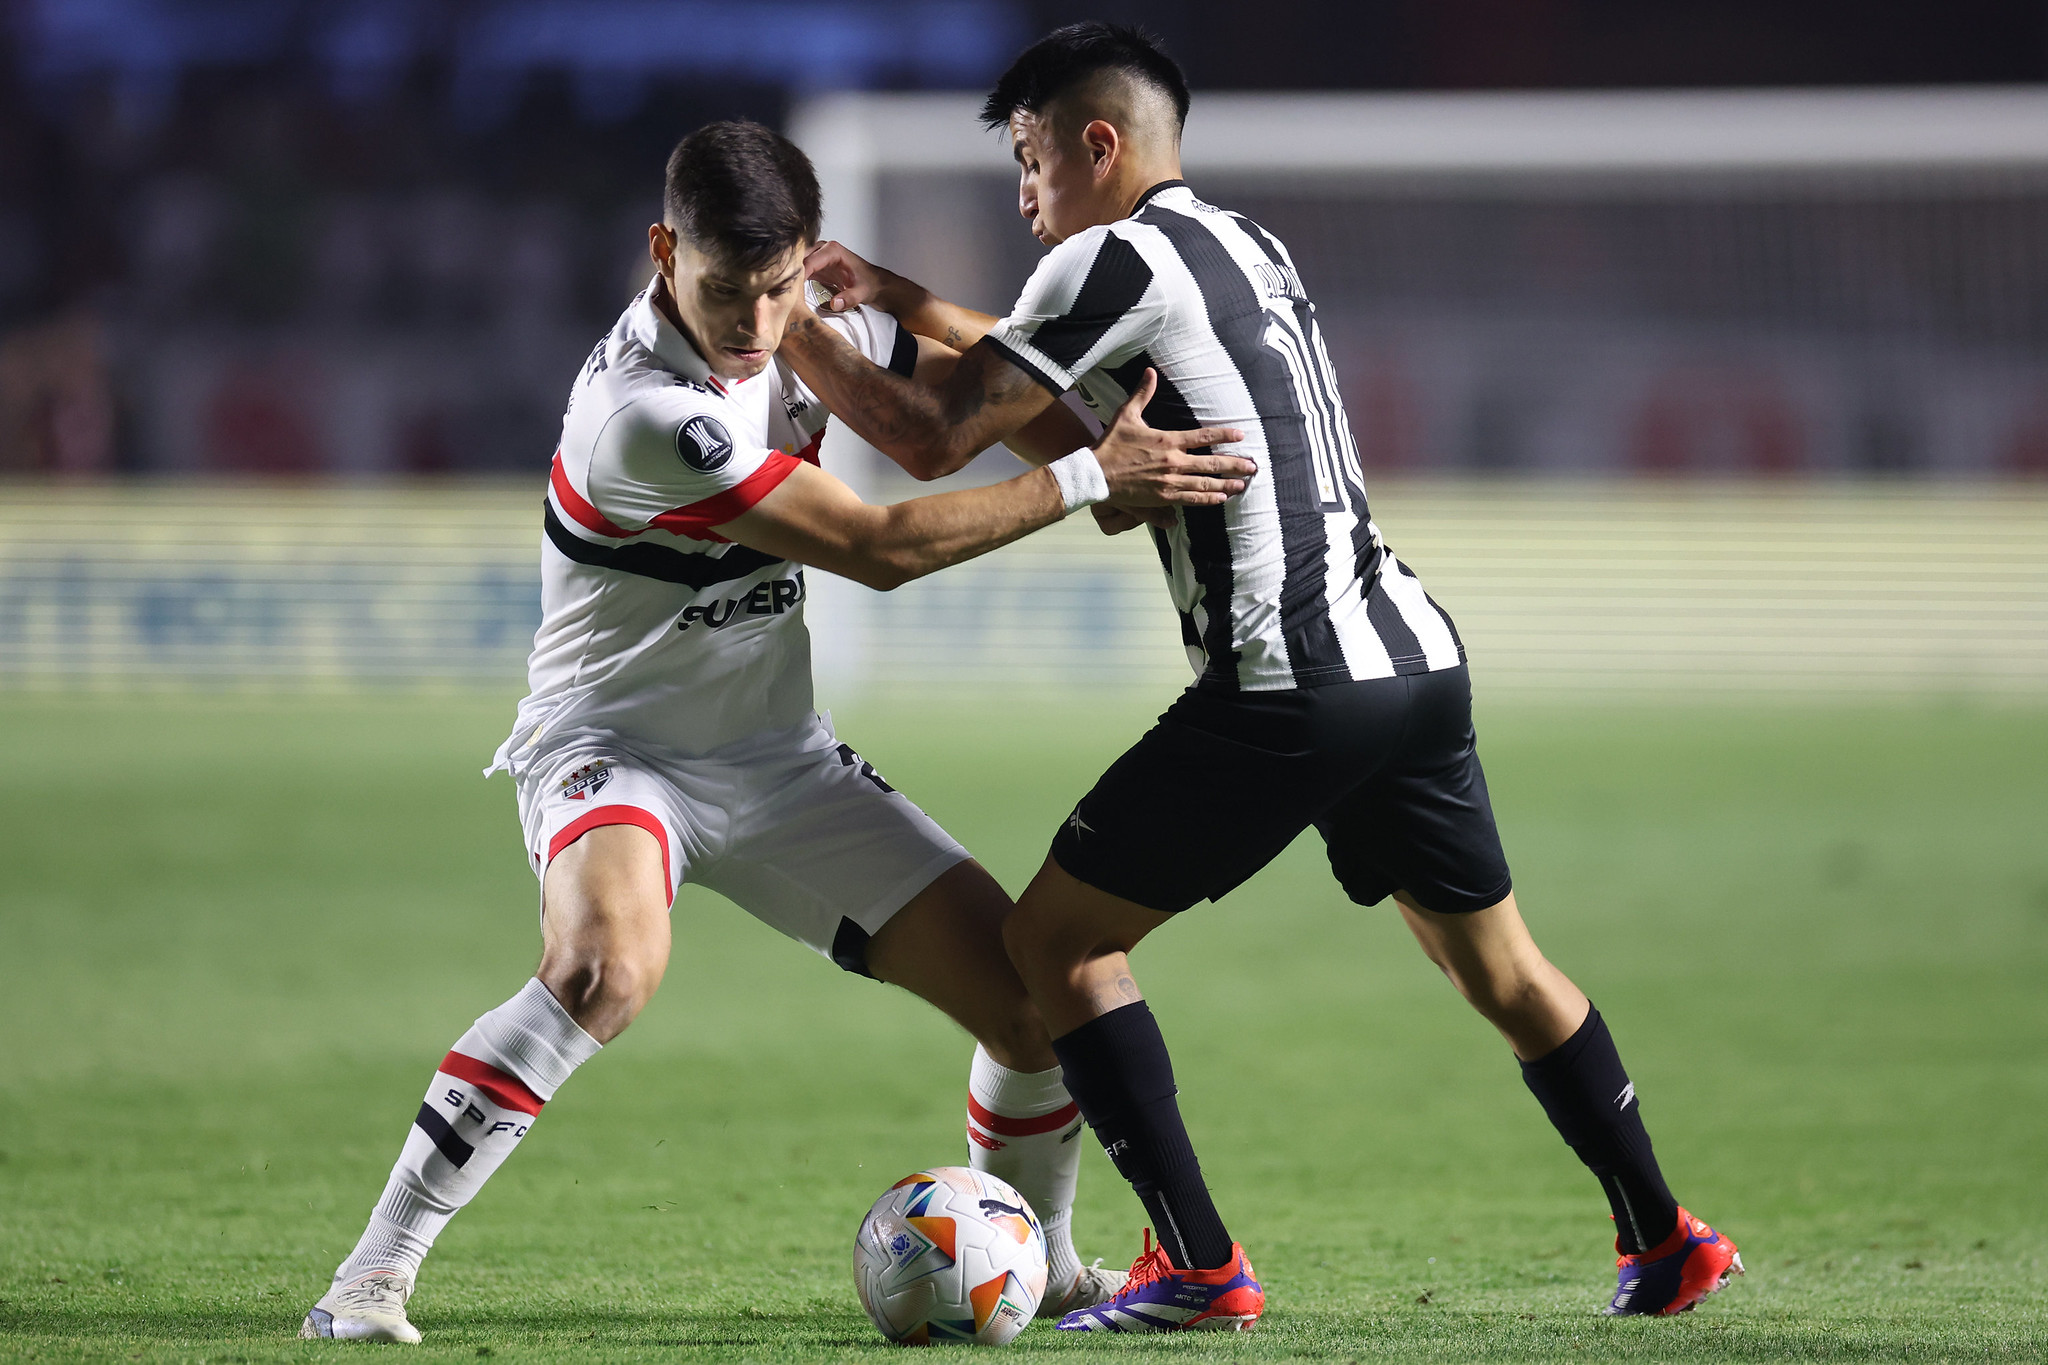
(654, 628)
(1288, 584)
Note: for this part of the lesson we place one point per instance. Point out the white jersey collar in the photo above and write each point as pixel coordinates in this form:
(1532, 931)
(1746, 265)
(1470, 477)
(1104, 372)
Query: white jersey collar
(665, 341)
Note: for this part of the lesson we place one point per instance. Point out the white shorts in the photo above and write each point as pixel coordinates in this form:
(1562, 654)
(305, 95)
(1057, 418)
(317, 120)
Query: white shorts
(799, 831)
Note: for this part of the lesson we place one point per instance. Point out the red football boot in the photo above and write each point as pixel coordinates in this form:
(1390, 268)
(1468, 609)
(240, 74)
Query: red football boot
(1673, 1276)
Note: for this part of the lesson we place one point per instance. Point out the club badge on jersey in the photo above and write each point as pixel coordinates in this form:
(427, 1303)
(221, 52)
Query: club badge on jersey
(586, 781)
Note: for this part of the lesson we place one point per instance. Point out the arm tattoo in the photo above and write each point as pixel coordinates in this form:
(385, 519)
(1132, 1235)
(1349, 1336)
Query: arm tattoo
(886, 407)
(953, 336)
(982, 379)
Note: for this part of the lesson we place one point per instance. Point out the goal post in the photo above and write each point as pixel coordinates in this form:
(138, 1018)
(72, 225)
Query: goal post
(1332, 140)
(1726, 286)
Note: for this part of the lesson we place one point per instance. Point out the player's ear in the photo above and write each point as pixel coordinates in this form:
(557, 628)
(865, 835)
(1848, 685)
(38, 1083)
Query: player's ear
(1103, 142)
(661, 247)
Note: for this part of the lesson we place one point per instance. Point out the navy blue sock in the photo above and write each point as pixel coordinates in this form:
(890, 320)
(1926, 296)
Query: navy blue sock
(1592, 1103)
(1119, 1074)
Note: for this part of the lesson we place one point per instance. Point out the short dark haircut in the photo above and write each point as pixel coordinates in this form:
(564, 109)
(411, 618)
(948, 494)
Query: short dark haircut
(742, 193)
(1067, 56)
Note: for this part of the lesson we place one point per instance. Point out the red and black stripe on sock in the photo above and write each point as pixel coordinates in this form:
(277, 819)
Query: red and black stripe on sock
(501, 1089)
(1590, 1100)
(1118, 1071)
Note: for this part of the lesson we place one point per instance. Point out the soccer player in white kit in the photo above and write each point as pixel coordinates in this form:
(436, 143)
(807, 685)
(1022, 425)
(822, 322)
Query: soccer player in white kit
(670, 736)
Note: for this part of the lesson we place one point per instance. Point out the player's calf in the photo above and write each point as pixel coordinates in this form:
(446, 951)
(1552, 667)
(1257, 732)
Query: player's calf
(484, 1098)
(1023, 1127)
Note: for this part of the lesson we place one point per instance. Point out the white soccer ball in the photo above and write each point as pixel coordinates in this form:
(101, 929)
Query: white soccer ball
(950, 1254)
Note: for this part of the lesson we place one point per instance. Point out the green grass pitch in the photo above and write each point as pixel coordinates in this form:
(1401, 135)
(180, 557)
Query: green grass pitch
(235, 935)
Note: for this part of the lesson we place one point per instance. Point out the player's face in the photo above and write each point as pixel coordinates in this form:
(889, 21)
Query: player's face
(733, 314)
(1057, 190)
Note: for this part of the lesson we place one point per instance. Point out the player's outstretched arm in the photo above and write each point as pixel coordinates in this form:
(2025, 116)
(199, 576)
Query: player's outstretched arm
(1043, 439)
(815, 519)
(930, 430)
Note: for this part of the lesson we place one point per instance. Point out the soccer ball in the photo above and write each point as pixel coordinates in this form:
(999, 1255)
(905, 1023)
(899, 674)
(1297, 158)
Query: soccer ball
(950, 1254)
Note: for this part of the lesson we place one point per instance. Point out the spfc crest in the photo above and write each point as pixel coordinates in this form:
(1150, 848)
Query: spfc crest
(587, 781)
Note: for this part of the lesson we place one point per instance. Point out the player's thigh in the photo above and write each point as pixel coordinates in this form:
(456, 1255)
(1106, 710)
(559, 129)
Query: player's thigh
(1203, 800)
(1061, 920)
(1423, 824)
(1070, 941)
(946, 946)
(606, 834)
(830, 853)
(607, 895)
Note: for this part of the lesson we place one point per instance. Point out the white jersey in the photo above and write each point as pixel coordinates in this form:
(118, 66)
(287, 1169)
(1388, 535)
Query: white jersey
(655, 629)
(1288, 584)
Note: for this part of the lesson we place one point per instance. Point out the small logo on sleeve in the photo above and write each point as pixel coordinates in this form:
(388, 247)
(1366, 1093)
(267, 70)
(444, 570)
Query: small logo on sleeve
(702, 444)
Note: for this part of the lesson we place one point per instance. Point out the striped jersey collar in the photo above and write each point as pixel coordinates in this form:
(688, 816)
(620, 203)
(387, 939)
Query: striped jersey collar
(1161, 188)
(663, 339)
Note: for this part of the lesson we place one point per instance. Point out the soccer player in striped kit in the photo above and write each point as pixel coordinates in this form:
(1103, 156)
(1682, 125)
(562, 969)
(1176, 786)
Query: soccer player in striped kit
(669, 734)
(1330, 689)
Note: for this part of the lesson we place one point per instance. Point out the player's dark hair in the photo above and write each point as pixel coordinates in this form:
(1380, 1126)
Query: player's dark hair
(742, 193)
(1067, 56)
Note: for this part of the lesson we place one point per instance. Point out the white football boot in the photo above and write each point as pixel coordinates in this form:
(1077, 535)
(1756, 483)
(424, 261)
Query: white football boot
(1095, 1285)
(371, 1308)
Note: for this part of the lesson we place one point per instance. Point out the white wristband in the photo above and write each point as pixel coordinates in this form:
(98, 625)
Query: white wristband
(1080, 478)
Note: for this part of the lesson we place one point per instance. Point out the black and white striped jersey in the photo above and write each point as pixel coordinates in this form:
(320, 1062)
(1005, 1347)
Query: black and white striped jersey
(1288, 584)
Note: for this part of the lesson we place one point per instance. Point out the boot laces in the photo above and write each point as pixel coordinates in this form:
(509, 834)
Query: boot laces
(1152, 1264)
(378, 1291)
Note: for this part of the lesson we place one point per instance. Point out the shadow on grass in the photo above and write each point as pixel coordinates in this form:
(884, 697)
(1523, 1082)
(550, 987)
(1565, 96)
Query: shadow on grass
(831, 1332)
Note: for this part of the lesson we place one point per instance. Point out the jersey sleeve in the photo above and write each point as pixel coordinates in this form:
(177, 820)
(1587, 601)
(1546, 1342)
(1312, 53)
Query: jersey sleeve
(669, 462)
(1091, 302)
(878, 336)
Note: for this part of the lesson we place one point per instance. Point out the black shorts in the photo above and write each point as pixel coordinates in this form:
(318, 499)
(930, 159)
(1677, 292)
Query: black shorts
(1387, 770)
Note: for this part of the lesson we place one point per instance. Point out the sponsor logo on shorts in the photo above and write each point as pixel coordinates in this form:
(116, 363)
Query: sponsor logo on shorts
(1078, 825)
(772, 598)
(587, 781)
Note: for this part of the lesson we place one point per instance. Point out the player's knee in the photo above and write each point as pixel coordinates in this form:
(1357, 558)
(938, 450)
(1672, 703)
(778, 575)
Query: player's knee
(1016, 1037)
(1034, 942)
(1496, 990)
(602, 989)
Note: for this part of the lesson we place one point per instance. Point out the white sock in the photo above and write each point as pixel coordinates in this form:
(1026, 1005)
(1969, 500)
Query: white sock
(1023, 1127)
(484, 1096)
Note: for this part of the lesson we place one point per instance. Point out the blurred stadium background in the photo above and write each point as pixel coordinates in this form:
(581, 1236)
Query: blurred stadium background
(1741, 383)
(1698, 354)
